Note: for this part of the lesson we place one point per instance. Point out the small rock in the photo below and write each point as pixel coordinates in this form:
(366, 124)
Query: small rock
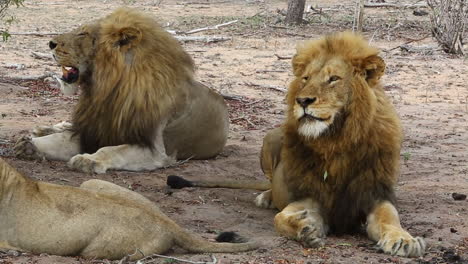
(458, 196)
(453, 230)
(419, 12)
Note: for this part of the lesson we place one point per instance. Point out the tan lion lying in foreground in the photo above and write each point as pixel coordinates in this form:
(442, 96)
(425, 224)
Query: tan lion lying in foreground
(97, 220)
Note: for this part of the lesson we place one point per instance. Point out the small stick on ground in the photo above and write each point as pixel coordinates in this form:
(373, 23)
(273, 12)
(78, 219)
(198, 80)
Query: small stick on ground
(276, 88)
(283, 57)
(40, 55)
(232, 97)
(266, 71)
(33, 78)
(33, 33)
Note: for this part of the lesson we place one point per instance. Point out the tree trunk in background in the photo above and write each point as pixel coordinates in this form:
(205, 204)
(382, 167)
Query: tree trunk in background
(295, 11)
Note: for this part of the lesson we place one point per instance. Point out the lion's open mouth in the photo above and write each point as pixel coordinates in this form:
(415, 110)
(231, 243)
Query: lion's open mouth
(311, 117)
(70, 74)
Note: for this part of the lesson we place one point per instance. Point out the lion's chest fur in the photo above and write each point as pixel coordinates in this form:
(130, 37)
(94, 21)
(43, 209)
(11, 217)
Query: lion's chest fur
(346, 184)
(107, 124)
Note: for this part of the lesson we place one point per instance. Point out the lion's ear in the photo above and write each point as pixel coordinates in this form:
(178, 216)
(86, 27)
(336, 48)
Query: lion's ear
(373, 67)
(128, 35)
(299, 63)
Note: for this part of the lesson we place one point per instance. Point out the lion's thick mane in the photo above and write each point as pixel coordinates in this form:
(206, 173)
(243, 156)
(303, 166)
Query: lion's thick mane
(355, 163)
(132, 84)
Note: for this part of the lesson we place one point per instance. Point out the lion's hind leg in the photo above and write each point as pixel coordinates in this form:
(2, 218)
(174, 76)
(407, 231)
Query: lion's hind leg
(383, 226)
(302, 221)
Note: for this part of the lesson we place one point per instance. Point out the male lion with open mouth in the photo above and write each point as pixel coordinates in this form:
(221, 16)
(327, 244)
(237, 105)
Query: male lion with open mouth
(139, 108)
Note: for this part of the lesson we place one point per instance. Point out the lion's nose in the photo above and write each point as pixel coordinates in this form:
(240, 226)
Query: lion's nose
(305, 101)
(52, 45)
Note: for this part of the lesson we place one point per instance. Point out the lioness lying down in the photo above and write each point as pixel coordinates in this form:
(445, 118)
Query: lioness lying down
(97, 220)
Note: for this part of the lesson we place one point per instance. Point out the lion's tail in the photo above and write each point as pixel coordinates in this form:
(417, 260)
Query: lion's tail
(226, 242)
(177, 182)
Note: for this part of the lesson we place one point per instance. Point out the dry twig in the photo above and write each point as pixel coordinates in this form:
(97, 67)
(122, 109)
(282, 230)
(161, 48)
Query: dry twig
(211, 27)
(395, 5)
(283, 57)
(40, 55)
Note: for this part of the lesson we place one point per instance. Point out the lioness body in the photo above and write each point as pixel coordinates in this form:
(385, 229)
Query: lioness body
(97, 220)
(334, 162)
(140, 107)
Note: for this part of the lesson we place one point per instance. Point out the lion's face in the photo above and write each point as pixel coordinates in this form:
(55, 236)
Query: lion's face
(323, 90)
(331, 74)
(74, 51)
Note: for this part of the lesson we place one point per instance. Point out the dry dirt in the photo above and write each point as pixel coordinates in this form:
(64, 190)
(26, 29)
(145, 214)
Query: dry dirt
(428, 88)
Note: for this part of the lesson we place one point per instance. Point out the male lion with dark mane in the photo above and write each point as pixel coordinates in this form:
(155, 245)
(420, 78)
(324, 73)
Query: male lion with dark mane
(334, 163)
(140, 107)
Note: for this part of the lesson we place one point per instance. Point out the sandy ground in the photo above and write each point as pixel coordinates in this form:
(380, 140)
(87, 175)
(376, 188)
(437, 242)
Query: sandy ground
(428, 88)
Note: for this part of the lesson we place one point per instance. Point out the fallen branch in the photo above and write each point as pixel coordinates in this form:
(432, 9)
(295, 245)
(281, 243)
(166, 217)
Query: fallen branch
(266, 71)
(276, 88)
(283, 57)
(33, 77)
(207, 39)
(153, 259)
(42, 56)
(395, 5)
(34, 33)
(408, 42)
(243, 118)
(211, 27)
(232, 97)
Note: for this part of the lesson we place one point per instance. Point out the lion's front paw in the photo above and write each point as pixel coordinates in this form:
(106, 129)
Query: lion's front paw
(25, 149)
(401, 243)
(41, 131)
(87, 163)
(264, 200)
(311, 231)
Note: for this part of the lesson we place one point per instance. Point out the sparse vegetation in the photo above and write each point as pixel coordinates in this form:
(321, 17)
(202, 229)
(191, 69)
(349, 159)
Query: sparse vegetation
(5, 22)
(449, 21)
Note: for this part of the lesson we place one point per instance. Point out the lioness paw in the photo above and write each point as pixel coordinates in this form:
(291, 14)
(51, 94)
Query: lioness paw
(401, 243)
(264, 200)
(86, 163)
(41, 131)
(25, 149)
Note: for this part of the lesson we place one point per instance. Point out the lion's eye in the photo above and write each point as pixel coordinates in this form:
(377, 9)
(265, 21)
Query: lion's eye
(333, 78)
(82, 34)
(305, 78)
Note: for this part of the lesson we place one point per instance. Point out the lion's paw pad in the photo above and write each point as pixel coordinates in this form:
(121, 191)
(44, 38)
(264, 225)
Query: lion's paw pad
(86, 163)
(25, 149)
(403, 245)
